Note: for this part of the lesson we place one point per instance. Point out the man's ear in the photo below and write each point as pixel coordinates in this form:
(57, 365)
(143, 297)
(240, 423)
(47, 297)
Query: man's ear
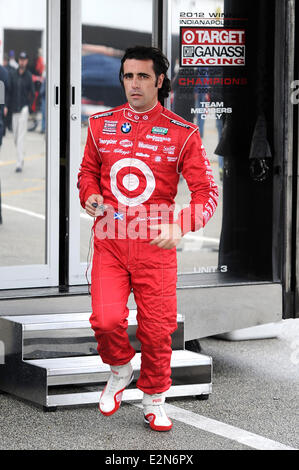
(160, 80)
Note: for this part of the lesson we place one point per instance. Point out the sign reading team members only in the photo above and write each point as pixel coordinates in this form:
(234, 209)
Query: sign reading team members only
(212, 47)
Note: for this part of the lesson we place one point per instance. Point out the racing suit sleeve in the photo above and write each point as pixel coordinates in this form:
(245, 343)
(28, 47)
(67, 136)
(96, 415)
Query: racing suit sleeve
(196, 169)
(90, 171)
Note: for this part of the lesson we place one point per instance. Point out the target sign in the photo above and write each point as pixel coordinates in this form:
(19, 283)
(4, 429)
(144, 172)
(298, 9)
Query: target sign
(131, 181)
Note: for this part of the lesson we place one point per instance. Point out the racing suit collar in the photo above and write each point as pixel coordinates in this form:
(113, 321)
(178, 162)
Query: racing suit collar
(145, 116)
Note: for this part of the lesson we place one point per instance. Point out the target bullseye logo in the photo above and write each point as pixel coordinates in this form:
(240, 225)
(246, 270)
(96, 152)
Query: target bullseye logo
(131, 181)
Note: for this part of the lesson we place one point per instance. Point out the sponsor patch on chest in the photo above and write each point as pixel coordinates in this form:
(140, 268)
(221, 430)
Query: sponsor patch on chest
(159, 130)
(126, 127)
(158, 138)
(109, 127)
(102, 115)
(178, 123)
(169, 150)
(126, 143)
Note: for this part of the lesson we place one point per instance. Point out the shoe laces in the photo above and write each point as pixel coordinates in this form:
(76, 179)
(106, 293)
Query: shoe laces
(160, 411)
(112, 383)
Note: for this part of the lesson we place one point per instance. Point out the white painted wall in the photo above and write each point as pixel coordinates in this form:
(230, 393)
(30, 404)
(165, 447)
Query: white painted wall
(23, 14)
(31, 14)
(134, 15)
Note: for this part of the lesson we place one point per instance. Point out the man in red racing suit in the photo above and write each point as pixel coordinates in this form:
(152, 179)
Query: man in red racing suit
(132, 162)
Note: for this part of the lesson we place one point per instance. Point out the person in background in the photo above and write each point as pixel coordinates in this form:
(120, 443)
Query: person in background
(39, 63)
(3, 112)
(9, 69)
(3, 99)
(22, 93)
(12, 61)
(42, 94)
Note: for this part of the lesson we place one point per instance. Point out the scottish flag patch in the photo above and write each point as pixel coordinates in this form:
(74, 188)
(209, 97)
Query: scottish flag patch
(118, 216)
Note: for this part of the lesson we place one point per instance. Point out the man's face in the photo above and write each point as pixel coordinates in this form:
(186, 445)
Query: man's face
(23, 63)
(141, 84)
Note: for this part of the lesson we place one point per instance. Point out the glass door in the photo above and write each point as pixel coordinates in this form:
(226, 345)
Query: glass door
(222, 64)
(29, 154)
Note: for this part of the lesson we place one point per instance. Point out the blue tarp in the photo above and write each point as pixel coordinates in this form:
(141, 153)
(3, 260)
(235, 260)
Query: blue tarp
(100, 79)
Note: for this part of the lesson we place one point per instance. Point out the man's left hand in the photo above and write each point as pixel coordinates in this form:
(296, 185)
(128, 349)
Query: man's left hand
(169, 237)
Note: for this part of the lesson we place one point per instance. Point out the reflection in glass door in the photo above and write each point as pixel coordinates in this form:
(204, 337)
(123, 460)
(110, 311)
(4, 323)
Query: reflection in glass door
(29, 152)
(106, 33)
(222, 57)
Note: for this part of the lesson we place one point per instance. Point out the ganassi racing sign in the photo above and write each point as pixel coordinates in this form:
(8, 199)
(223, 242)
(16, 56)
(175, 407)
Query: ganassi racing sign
(212, 47)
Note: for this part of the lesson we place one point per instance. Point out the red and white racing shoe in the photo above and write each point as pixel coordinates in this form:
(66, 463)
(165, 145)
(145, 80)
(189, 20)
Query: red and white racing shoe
(120, 378)
(154, 412)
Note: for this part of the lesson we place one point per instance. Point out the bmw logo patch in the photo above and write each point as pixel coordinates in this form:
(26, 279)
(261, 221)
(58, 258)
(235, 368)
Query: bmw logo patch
(126, 127)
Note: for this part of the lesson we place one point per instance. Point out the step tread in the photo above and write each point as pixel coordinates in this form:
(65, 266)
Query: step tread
(130, 394)
(93, 364)
(63, 321)
(48, 318)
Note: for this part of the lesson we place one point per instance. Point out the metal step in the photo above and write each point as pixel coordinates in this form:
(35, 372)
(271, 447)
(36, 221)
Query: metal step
(134, 394)
(63, 321)
(50, 382)
(68, 335)
(191, 375)
(87, 369)
(57, 321)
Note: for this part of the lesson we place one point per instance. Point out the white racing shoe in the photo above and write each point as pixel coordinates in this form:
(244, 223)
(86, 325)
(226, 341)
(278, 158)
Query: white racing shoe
(120, 378)
(154, 412)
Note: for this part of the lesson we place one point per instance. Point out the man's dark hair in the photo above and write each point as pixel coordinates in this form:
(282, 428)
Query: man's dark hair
(160, 63)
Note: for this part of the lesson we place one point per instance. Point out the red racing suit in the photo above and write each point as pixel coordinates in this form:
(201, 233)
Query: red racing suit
(134, 160)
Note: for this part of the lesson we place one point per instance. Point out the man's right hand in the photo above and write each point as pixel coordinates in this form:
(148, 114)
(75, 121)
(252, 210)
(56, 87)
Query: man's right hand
(95, 199)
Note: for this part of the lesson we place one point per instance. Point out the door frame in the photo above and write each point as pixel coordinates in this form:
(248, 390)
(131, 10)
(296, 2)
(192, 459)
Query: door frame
(76, 268)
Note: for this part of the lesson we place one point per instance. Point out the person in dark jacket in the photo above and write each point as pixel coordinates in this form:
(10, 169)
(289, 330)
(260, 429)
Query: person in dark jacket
(22, 93)
(3, 112)
(42, 94)
(3, 98)
(10, 70)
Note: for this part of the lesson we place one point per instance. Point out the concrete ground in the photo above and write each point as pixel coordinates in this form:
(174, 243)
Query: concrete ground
(255, 390)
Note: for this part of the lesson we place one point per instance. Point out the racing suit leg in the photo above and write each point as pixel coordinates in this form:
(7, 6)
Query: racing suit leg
(110, 289)
(154, 285)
